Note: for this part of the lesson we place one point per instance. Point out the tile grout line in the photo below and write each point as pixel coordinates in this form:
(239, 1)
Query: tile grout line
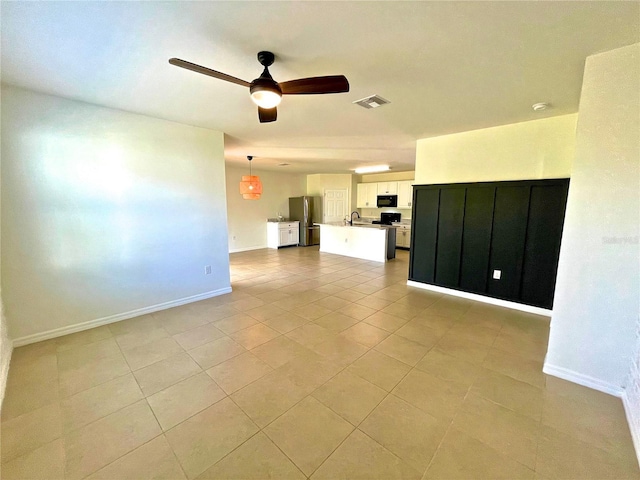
(412, 368)
(357, 427)
(144, 398)
(262, 429)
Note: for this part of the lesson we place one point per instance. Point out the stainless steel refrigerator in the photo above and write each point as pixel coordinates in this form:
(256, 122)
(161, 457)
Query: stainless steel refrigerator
(307, 210)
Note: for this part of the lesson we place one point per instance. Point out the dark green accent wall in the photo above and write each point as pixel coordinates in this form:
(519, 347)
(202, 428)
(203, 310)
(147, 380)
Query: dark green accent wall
(461, 233)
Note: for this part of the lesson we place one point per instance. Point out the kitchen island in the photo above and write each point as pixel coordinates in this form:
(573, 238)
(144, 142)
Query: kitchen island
(365, 241)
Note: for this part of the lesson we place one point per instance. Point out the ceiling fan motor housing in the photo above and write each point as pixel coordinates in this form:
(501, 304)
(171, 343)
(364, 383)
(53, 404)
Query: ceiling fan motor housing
(265, 91)
(266, 58)
(265, 83)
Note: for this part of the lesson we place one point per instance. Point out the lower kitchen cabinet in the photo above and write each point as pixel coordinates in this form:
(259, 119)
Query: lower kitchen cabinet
(282, 234)
(500, 239)
(403, 236)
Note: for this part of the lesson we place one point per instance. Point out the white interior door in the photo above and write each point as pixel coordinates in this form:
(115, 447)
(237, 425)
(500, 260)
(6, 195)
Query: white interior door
(336, 205)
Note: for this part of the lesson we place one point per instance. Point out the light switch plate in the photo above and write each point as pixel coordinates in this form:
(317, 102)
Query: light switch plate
(497, 274)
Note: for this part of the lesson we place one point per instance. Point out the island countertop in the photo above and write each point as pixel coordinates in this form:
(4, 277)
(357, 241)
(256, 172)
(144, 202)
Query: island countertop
(377, 226)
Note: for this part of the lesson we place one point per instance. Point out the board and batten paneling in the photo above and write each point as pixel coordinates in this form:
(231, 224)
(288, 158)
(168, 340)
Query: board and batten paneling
(507, 241)
(463, 234)
(542, 246)
(424, 231)
(476, 238)
(449, 237)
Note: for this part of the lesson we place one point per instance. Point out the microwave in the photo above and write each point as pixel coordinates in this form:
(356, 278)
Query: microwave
(387, 201)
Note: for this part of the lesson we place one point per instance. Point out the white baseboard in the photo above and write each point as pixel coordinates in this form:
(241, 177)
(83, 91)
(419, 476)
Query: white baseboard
(481, 298)
(79, 327)
(606, 387)
(633, 424)
(584, 380)
(247, 249)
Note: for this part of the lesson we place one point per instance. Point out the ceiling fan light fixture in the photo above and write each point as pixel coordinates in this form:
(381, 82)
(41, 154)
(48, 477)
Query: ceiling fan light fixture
(265, 92)
(373, 169)
(266, 98)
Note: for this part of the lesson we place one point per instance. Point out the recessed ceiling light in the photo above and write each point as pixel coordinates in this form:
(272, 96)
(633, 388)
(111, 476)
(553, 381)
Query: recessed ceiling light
(539, 107)
(373, 169)
(284, 164)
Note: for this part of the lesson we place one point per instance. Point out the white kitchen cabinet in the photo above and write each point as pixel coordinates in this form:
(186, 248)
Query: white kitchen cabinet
(367, 195)
(387, 188)
(282, 234)
(405, 193)
(403, 236)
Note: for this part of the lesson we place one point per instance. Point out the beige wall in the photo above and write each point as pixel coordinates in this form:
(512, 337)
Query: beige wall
(596, 307)
(521, 151)
(247, 218)
(105, 214)
(318, 183)
(387, 177)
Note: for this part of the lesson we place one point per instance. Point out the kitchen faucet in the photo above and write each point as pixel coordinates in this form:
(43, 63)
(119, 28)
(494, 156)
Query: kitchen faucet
(351, 222)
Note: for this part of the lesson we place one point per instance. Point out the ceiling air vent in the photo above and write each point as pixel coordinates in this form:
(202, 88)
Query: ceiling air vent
(373, 101)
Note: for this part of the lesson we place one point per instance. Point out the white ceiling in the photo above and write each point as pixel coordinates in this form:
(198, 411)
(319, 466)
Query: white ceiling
(445, 66)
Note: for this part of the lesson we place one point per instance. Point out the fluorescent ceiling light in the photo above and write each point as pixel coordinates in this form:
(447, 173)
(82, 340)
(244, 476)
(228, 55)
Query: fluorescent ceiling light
(373, 169)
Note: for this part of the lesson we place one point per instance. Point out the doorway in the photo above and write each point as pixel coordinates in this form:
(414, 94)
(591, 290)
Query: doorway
(336, 205)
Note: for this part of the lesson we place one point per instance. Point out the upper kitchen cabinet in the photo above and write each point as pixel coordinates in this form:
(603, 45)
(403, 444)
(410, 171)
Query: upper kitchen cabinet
(367, 195)
(387, 188)
(405, 193)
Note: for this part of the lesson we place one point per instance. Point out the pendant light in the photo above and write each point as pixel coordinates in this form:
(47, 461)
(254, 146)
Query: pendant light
(250, 186)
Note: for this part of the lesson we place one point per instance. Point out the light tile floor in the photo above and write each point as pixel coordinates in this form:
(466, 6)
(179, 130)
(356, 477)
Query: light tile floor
(315, 366)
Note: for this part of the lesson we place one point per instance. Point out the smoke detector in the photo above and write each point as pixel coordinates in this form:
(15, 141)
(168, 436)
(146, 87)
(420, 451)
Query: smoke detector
(539, 107)
(372, 101)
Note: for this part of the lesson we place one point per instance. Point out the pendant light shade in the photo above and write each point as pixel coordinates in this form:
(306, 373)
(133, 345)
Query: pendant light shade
(250, 186)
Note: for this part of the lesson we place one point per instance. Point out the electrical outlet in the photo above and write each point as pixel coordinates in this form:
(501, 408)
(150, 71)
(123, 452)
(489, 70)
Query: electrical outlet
(497, 274)
(207, 270)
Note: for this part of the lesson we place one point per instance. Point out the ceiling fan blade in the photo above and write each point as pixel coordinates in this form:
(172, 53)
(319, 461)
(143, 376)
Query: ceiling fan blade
(315, 85)
(267, 114)
(207, 71)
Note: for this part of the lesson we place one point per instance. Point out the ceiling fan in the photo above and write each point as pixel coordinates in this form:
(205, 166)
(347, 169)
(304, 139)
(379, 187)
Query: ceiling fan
(266, 92)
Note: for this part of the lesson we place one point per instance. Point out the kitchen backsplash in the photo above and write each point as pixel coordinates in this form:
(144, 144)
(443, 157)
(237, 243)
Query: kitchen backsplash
(375, 212)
